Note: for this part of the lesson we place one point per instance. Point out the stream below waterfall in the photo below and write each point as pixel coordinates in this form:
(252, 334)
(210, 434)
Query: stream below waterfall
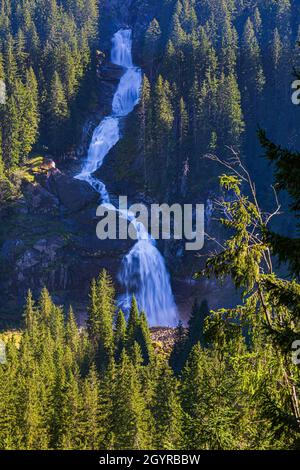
(143, 271)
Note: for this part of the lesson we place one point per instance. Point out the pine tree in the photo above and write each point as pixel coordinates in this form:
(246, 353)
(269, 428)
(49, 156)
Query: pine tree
(11, 128)
(283, 16)
(151, 46)
(70, 414)
(257, 23)
(45, 305)
(167, 412)
(163, 124)
(58, 112)
(145, 120)
(263, 293)
(253, 75)
(108, 392)
(178, 354)
(163, 106)
(72, 335)
(93, 320)
(143, 338)
(91, 425)
(30, 314)
(130, 416)
(34, 429)
(287, 178)
(31, 115)
(231, 112)
(101, 316)
(10, 434)
(10, 64)
(276, 49)
(132, 324)
(21, 54)
(229, 48)
(196, 325)
(120, 335)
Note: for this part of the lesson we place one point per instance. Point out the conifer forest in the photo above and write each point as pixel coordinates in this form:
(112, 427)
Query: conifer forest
(113, 338)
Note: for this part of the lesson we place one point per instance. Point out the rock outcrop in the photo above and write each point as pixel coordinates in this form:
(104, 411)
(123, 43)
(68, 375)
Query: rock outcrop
(51, 241)
(72, 193)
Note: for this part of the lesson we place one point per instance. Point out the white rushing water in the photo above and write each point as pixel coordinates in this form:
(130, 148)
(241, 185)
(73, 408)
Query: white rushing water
(143, 271)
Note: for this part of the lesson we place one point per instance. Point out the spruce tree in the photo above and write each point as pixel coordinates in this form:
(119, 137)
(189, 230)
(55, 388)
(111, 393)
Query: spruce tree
(143, 338)
(145, 120)
(196, 325)
(167, 412)
(130, 415)
(10, 433)
(152, 43)
(70, 412)
(133, 323)
(91, 418)
(29, 313)
(101, 317)
(72, 335)
(58, 112)
(287, 175)
(178, 353)
(120, 335)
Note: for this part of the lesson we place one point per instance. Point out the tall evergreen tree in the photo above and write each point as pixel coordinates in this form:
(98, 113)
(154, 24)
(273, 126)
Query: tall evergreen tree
(196, 330)
(101, 317)
(178, 354)
(287, 173)
(152, 44)
(120, 335)
(58, 111)
(167, 412)
(133, 323)
(130, 416)
(143, 338)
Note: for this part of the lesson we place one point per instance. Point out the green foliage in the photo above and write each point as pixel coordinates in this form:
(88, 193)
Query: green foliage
(270, 309)
(287, 174)
(167, 411)
(46, 53)
(120, 334)
(178, 355)
(227, 60)
(227, 396)
(130, 419)
(101, 317)
(137, 333)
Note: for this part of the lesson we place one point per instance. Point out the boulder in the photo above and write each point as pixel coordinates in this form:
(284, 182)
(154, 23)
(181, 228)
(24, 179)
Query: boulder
(38, 199)
(111, 73)
(49, 246)
(29, 259)
(73, 194)
(11, 249)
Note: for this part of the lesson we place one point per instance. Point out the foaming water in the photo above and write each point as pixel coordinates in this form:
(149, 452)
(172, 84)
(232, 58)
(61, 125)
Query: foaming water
(143, 271)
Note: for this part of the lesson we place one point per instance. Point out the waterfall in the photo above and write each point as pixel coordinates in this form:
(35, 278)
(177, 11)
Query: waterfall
(143, 271)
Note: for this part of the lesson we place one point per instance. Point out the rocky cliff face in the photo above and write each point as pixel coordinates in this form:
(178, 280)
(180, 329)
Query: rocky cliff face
(49, 236)
(135, 14)
(50, 240)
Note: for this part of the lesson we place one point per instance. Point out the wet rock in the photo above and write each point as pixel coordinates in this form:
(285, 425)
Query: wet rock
(73, 194)
(29, 259)
(38, 199)
(111, 73)
(48, 247)
(47, 164)
(11, 249)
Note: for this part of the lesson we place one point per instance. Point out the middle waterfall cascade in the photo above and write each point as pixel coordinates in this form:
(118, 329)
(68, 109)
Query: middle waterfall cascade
(143, 271)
